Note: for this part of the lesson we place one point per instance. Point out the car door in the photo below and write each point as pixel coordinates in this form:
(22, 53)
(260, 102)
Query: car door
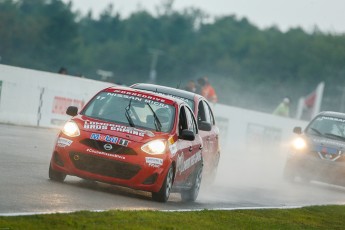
(210, 138)
(189, 152)
(214, 133)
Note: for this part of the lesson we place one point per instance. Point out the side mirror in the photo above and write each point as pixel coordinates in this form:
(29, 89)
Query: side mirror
(187, 135)
(72, 111)
(297, 130)
(204, 126)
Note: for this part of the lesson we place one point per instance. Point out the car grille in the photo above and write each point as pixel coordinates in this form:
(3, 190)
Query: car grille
(330, 158)
(116, 149)
(104, 167)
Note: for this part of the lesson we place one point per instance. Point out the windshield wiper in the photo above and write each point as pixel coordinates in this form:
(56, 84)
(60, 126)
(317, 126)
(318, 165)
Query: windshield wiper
(157, 121)
(334, 136)
(316, 131)
(130, 120)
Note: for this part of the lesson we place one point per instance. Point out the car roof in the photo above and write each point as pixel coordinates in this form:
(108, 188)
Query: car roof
(154, 95)
(166, 90)
(332, 114)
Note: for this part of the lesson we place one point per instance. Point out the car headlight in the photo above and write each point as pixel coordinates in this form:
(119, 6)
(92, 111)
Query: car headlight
(299, 143)
(154, 147)
(71, 129)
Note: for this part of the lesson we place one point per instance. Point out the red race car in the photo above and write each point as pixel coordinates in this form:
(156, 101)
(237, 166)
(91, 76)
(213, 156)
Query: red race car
(135, 139)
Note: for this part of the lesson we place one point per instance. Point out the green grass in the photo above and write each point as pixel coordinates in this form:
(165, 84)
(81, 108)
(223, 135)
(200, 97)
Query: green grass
(314, 217)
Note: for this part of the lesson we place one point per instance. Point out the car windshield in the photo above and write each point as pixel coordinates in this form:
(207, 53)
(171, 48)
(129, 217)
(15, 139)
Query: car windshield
(133, 111)
(327, 126)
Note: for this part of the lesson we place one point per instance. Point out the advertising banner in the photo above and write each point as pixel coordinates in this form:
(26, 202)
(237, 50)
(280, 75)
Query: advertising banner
(53, 106)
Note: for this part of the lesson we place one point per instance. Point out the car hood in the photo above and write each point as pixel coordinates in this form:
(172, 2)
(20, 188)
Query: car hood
(92, 125)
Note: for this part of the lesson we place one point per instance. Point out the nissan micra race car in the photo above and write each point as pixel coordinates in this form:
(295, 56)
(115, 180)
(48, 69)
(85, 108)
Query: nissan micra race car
(135, 139)
(318, 153)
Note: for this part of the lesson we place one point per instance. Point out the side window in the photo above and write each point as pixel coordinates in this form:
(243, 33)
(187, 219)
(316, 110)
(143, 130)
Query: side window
(208, 113)
(182, 120)
(201, 112)
(191, 120)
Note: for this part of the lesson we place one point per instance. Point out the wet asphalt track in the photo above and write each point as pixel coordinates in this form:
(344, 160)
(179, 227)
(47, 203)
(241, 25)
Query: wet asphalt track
(244, 181)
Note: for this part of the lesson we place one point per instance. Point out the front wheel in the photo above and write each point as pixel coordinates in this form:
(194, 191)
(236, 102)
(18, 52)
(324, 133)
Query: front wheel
(191, 194)
(56, 175)
(164, 192)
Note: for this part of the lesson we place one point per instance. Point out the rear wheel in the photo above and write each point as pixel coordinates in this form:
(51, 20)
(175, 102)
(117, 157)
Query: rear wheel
(56, 175)
(192, 193)
(164, 192)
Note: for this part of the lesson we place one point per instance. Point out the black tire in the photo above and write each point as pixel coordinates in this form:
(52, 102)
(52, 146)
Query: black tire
(164, 192)
(191, 194)
(55, 175)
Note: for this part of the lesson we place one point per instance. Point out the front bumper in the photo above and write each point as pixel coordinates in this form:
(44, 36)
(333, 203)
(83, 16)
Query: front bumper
(133, 171)
(310, 166)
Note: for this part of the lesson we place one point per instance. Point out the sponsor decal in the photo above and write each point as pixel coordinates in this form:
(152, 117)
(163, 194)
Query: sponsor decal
(149, 133)
(108, 138)
(154, 162)
(180, 163)
(63, 142)
(174, 96)
(123, 142)
(105, 154)
(328, 142)
(60, 104)
(173, 149)
(113, 127)
(331, 119)
(140, 97)
(183, 165)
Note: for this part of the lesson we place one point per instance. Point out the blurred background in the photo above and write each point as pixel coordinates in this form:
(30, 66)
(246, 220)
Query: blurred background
(250, 65)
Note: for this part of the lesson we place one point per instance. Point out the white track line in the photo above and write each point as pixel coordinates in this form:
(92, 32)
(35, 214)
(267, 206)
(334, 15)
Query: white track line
(177, 210)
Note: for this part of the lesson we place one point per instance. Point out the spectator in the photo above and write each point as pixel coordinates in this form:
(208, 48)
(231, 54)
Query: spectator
(283, 109)
(62, 70)
(191, 87)
(207, 90)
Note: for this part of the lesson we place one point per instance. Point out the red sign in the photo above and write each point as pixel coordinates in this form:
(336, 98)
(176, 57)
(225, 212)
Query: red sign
(60, 104)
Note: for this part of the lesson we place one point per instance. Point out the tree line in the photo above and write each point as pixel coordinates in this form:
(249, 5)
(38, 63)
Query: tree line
(249, 67)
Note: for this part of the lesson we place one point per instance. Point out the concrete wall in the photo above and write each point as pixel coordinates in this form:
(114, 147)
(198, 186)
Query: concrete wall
(36, 98)
(251, 131)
